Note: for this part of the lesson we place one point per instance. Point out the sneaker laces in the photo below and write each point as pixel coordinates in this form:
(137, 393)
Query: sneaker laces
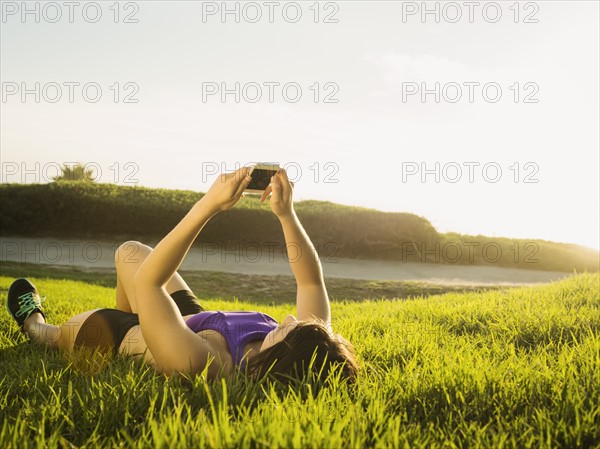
(28, 302)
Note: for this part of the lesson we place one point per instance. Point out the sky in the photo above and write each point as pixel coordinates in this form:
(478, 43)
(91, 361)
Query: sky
(484, 119)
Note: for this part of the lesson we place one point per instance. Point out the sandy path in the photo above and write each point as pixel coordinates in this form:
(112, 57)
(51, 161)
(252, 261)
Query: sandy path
(100, 254)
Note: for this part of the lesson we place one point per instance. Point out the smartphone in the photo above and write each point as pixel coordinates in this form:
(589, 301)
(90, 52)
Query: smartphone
(261, 174)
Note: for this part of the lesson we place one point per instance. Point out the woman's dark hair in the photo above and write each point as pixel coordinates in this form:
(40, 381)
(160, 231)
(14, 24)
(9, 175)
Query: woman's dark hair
(308, 349)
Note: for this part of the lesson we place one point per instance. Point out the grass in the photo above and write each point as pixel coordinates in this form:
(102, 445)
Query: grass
(500, 368)
(259, 289)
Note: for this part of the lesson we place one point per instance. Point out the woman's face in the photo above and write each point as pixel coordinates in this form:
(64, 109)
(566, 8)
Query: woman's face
(280, 332)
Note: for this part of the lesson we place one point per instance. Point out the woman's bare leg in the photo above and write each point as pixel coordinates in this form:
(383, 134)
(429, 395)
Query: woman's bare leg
(128, 259)
(122, 299)
(56, 337)
(41, 332)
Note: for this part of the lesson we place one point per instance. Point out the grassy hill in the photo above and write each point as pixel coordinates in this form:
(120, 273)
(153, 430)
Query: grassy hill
(503, 368)
(106, 211)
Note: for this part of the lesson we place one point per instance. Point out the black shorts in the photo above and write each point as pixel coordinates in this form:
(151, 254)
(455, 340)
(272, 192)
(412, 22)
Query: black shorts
(105, 329)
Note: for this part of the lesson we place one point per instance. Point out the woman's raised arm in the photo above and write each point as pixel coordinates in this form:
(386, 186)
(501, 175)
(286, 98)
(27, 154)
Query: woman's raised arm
(173, 345)
(311, 298)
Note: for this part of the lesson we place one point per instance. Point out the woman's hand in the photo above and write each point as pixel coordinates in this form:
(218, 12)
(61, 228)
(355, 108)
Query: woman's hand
(281, 189)
(227, 189)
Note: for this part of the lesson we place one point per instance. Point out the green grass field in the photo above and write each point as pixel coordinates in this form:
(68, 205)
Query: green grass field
(500, 368)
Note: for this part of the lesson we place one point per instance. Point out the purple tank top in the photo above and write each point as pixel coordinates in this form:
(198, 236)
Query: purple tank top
(238, 328)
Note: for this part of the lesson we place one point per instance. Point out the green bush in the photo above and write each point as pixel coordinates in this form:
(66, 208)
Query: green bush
(77, 209)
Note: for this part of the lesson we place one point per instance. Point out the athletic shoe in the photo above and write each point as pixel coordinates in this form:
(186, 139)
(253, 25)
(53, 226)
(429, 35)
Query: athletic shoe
(23, 300)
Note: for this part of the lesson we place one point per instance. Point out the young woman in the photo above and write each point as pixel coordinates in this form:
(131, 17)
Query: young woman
(158, 317)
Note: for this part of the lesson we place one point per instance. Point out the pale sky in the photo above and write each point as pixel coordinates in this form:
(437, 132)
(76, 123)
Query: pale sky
(374, 141)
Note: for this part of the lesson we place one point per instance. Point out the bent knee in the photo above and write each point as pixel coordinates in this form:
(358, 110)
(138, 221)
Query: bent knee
(131, 251)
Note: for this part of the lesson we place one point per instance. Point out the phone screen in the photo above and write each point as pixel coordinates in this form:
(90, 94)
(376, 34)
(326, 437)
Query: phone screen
(261, 178)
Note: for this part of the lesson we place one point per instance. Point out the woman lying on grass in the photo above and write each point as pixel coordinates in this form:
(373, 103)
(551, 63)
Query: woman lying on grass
(177, 335)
